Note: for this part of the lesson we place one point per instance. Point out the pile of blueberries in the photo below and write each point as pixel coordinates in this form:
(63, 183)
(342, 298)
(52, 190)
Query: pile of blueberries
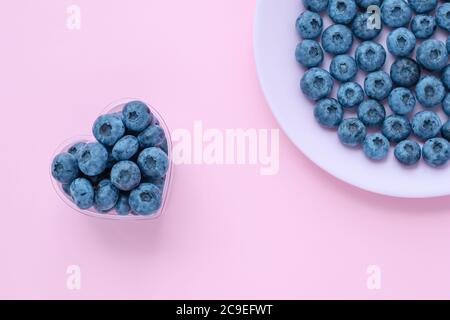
(124, 170)
(425, 78)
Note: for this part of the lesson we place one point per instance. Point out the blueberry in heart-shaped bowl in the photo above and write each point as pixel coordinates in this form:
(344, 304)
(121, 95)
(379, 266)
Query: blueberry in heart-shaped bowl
(121, 172)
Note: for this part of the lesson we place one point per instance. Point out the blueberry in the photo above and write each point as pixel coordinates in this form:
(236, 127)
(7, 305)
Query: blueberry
(408, 152)
(125, 175)
(106, 196)
(328, 112)
(445, 130)
(66, 188)
(82, 193)
(396, 128)
(443, 16)
(360, 26)
(401, 101)
(92, 159)
(405, 72)
(309, 25)
(364, 4)
(446, 104)
(108, 129)
(423, 26)
(343, 67)
(159, 182)
(64, 168)
(337, 39)
(401, 42)
(395, 13)
(426, 124)
(153, 162)
(136, 116)
(370, 56)
(377, 85)
(447, 44)
(371, 113)
(153, 136)
(75, 148)
(315, 5)
(342, 11)
(436, 152)
(432, 54)
(422, 6)
(350, 94)
(122, 206)
(125, 148)
(376, 146)
(316, 83)
(309, 53)
(351, 132)
(145, 199)
(430, 91)
(445, 77)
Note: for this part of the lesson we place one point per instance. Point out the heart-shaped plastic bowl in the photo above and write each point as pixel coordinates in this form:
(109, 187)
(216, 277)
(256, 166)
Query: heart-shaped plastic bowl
(116, 106)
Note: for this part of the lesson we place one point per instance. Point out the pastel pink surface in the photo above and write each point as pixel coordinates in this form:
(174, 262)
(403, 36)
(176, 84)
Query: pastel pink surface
(227, 232)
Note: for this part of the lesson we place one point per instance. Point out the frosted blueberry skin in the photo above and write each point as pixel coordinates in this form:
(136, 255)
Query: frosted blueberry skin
(360, 27)
(153, 163)
(107, 129)
(136, 116)
(371, 113)
(426, 124)
(422, 6)
(125, 148)
(445, 130)
(445, 77)
(309, 53)
(370, 56)
(159, 182)
(408, 152)
(446, 104)
(343, 67)
(395, 13)
(351, 132)
(430, 91)
(432, 54)
(447, 44)
(328, 112)
(145, 199)
(376, 146)
(337, 39)
(106, 196)
(443, 16)
(364, 4)
(316, 83)
(377, 85)
(401, 101)
(75, 148)
(401, 42)
(92, 159)
(309, 25)
(315, 5)
(66, 188)
(342, 11)
(423, 26)
(405, 72)
(436, 152)
(65, 168)
(350, 94)
(396, 128)
(82, 193)
(122, 206)
(153, 136)
(125, 175)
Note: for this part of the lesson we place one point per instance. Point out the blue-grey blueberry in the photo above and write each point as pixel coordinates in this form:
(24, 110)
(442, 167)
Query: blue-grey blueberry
(395, 13)
(370, 56)
(377, 85)
(125, 148)
(106, 196)
(408, 152)
(351, 132)
(342, 11)
(309, 25)
(92, 159)
(364, 26)
(423, 26)
(430, 91)
(64, 168)
(401, 101)
(405, 72)
(436, 152)
(432, 54)
(337, 39)
(376, 146)
(125, 175)
(136, 116)
(309, 53)
(153, 162)
(328, 112)
(107, 129)
(145, 199)
(122, 206)
(82, 193)
(426, 124)
(401, 42)
(316, 83)
(443, 16)
(396, 128)
(343, 67)
(371, 113)
(350, 94)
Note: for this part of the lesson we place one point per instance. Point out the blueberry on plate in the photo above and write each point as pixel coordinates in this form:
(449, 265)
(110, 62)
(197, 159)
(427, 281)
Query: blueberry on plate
(65, 168)
(351, 132)
(350, 94)
(125, 175)
(371, 113)
(145, 199)
(396, 128)
(395, 13)
(445, 77)
(430, 91)
(445, 130)
(401, 42)
(316, 83)
(376, 146)
(436, 152)
(408, 152)
(401, 100)
(153, 136)
(377, 85)
(405, 72)
(443, 16)
(153, 162)
(125, 148)
(422, 6)
(315, 5)
(342, 11)
(82, 193)
(75, 148)
(343, 67)
(106, 196)
(361, 29)
(370, 56)
(426, 124)
(423, 26)
(108, 129)
(309, 25)
(432, 54)
(136, 116)
(328, 112)
(309, 53)
(122, 206)
(446, 104)
(337, 39)
(92, 159)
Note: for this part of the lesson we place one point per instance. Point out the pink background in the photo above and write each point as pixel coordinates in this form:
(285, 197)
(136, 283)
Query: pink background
(228, 232)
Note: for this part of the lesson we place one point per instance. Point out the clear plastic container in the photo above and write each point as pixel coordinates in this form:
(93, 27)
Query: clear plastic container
(64, 146)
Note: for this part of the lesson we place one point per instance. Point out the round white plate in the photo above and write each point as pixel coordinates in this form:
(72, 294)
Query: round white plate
(275, 39)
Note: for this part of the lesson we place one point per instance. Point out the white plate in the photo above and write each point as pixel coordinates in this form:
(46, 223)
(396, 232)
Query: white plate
(275, 39)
